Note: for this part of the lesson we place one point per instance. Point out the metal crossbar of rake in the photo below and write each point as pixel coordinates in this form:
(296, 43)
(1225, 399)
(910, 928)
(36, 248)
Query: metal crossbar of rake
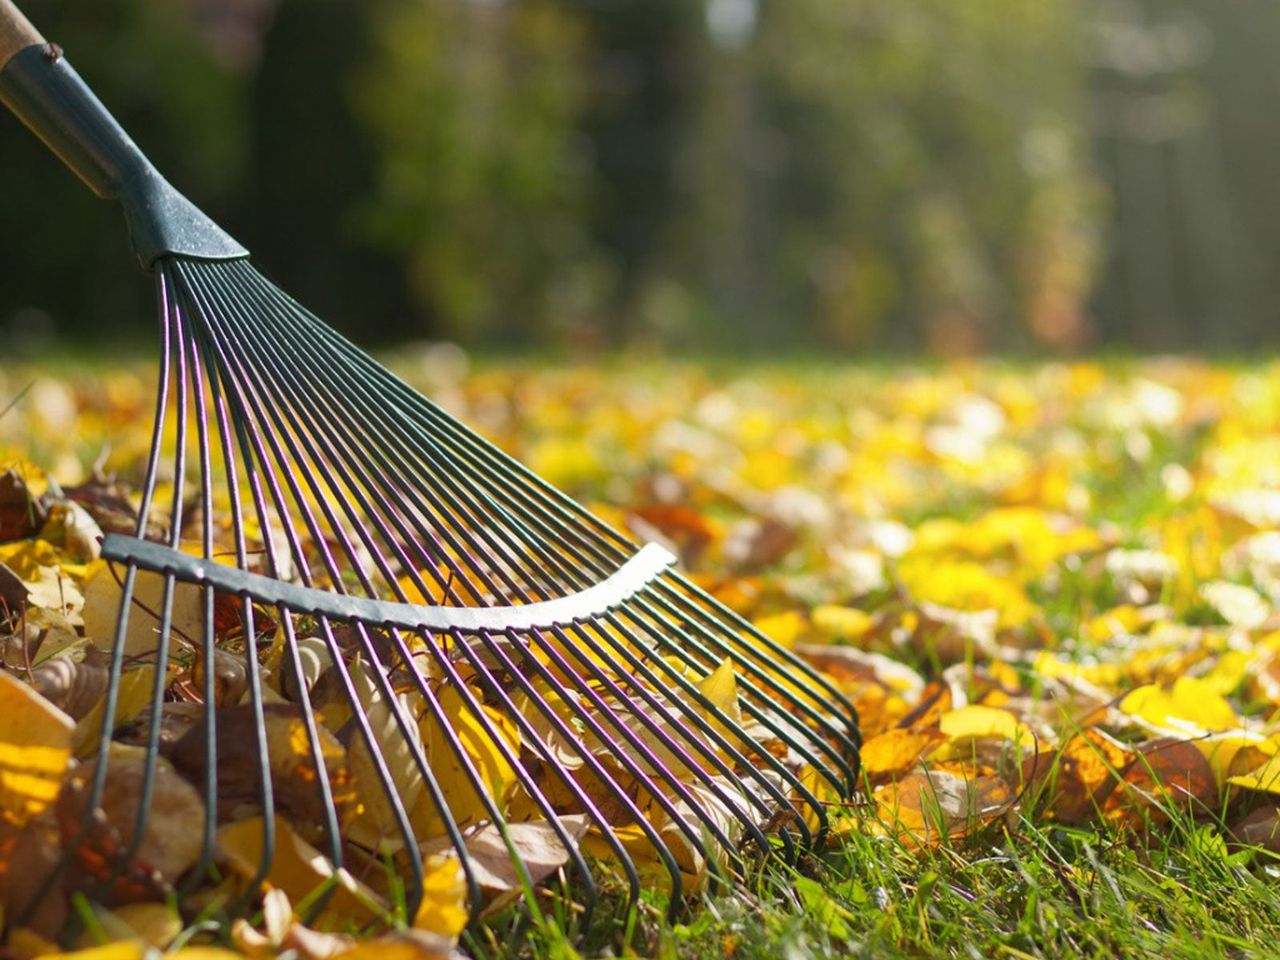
(379, 499)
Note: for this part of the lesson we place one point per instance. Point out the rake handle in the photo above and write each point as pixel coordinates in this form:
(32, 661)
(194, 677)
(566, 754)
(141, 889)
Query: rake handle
(43, 91)
(16, 32)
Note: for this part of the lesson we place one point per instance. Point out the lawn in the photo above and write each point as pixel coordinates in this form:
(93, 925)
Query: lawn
(1049, 588)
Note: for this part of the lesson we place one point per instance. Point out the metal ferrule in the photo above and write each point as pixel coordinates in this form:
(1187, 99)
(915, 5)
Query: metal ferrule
(46, 93)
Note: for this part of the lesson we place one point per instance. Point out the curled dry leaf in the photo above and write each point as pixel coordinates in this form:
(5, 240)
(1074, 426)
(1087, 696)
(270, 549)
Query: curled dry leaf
(230, 676)
(394, 726)
(73, 686)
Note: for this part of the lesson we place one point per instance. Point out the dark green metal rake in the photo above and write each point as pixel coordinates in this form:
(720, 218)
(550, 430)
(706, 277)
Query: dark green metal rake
(541, 618)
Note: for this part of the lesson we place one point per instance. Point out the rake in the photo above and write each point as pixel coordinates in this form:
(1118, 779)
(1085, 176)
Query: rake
(495, 654)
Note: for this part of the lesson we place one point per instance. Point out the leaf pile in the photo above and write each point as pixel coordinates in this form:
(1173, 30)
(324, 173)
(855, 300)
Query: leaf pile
(1050, 592)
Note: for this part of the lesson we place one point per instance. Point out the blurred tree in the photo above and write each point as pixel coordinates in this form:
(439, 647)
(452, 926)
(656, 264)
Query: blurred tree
(482, 175)
(69, 268)
(313, 167)
(892, 173)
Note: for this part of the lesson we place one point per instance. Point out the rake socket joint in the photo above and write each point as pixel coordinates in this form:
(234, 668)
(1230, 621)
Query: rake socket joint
(44, 90)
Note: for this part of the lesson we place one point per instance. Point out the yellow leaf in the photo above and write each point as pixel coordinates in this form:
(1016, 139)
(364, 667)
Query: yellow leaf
(837, 624)
(298, 869)
(974, 722)
(102, 595)
(35, 750)
(1191, 707)
(1265, 777)
(120, 950)
(496, 775)
(721, 688)
(151, 924)
(784, 628)
(443, 909)
(1234, 752)
(135, 695)
(966, 586)
(25, 944)
(896, 751)
(203, 953)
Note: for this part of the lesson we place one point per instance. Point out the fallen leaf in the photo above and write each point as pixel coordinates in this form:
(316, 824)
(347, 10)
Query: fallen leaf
(929, 805)
(892, 753)
(299, 869)
(133, 695)
(102, 596)
(153, 925)
(1080, 777)
(21, 513)
(537, 843)
(293, 771)
(1166, 774)
(73, 686)
(171, 838)
(1190, 708)
(35, 751)
(29, 856)
(443, 910)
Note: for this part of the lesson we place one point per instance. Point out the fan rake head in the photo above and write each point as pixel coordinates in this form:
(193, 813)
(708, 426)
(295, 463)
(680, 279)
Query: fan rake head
(381, 649)
(458, 652)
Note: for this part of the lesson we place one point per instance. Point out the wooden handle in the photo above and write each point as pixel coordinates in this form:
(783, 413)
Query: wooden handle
(16, 32)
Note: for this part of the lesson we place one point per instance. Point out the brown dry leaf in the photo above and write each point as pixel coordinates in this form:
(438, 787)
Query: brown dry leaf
(537, 843)
(171, 840)
(28, 856)
(935, 700)
(1165, 773)
(35, 751)
(930, 805)
(683, 527)
(298, 869)
(1261, 828)
(293, 774)
(1082, 775)
(13, 592)
(892, 753)
(21, 513)
(230, 676)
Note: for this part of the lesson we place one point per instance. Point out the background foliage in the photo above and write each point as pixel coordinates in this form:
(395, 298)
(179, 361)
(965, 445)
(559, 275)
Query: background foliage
(759, 174)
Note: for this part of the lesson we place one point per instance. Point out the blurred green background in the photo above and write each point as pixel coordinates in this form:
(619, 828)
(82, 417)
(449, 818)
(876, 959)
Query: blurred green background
(750, 175)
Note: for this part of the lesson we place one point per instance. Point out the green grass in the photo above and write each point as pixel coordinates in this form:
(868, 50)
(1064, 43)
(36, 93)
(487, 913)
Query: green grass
(1019, 890)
